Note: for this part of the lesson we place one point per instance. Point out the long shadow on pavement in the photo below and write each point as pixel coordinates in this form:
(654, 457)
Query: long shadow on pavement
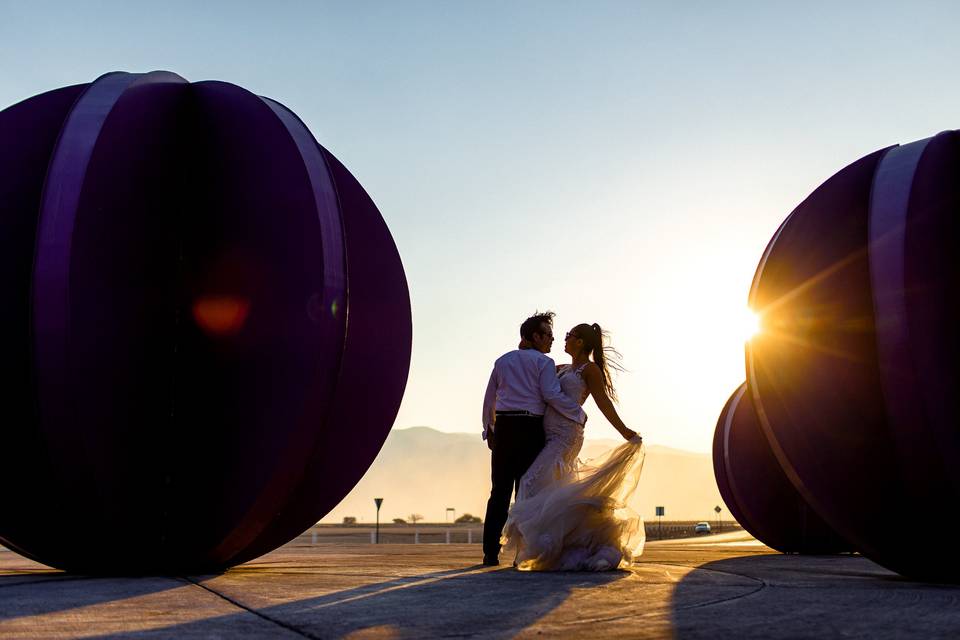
(460, 602)
(45, 592)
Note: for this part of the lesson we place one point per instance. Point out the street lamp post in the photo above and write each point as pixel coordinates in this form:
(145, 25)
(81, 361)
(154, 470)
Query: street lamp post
(447, 514)
(717, 510)
(378, 502)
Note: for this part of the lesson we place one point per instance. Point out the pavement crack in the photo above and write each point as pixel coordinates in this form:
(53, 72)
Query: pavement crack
(259, 614)
(722, 600)
(761, 585)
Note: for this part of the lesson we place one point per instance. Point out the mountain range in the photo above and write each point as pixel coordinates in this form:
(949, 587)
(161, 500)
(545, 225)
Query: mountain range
(424, 471)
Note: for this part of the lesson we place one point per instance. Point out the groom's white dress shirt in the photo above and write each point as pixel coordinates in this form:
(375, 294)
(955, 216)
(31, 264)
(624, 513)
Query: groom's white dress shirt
(526, 380)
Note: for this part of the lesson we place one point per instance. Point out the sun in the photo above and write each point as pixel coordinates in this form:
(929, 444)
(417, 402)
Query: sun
(749, 324)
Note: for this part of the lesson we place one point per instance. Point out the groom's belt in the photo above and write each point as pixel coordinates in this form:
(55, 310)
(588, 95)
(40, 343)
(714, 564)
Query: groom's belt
(519, 413)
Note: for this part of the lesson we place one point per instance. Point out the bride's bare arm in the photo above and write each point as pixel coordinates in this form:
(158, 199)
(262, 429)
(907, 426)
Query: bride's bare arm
(594, 380)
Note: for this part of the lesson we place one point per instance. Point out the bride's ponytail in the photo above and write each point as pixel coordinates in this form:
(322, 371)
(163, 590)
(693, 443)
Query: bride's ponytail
(606, 357)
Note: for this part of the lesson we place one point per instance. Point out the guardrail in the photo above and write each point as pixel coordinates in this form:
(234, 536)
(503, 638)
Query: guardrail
(440, 534)
(393, 535)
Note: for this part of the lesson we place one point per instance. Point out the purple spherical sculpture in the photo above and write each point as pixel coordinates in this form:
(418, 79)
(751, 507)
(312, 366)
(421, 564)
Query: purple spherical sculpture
(854, 376)
(208, 326)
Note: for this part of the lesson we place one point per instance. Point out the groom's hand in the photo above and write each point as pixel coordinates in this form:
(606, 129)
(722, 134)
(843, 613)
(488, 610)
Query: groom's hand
(490, 437)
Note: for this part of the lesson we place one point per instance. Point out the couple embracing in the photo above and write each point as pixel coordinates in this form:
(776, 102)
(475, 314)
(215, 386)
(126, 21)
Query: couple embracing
(568, 515)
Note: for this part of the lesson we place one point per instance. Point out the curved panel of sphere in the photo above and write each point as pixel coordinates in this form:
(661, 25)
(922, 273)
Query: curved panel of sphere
(916, 291)
(756, 489)
(721, 462)
(26, 471)
(197, 258)
(367, 398)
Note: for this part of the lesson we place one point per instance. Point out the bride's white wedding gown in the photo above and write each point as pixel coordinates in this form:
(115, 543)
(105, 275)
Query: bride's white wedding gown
(570, 515)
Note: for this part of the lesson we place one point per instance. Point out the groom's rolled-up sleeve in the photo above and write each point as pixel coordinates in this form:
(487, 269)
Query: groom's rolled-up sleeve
(490, 405)
(554, 395)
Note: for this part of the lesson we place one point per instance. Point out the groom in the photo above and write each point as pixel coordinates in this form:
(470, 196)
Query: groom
(521, 386)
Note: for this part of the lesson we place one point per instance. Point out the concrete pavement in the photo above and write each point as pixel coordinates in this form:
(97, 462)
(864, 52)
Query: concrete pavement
(717, 586)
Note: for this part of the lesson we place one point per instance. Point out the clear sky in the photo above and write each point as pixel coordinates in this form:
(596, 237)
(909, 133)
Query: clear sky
(617, 162)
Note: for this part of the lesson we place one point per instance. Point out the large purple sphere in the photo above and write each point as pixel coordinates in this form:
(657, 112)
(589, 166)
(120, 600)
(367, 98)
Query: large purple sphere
(208, 326)
(854, 377)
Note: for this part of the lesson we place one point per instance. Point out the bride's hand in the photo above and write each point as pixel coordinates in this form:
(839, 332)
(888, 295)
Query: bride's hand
(630, 434)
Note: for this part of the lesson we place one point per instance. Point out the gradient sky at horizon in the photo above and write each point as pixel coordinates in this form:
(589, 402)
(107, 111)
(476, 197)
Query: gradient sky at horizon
(617, 162)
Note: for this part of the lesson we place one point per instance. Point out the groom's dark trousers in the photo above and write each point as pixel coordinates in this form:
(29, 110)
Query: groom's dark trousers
(517, 440)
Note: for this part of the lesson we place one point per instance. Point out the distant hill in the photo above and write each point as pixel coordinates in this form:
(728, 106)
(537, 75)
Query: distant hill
(422, 470)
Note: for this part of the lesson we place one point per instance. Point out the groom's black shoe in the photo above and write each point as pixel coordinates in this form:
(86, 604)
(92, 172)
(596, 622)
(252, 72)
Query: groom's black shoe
(490, 561)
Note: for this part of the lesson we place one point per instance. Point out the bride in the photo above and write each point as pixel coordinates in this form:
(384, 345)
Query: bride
(570, 515)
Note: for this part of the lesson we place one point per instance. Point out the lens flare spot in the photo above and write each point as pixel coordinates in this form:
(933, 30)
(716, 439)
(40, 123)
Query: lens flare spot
(221, 315)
